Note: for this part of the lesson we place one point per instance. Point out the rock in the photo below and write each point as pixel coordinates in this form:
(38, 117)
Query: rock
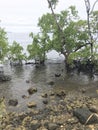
(24, 96)
(57, 75)
(13, 102)
(51, 83)
(32, 90)
(4, 78)
(27, 81)
(52, 126)
(9, 127)
(31, 104)
(2, 107)
(44, 95)
(45, 101)
(61, 93)
(19, 128)
(93, 109)
(72, 121)
(83, 90)
(52, 94)
(85, 116)
(35, 124)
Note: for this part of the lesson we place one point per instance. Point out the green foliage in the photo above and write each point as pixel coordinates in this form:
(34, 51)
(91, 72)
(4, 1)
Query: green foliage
(15, 52)
(94, 24)
(39, 46)
(73, 30)
(3, 44)
(34, 48)
(52, 2)
(67, 34)
(46, 23)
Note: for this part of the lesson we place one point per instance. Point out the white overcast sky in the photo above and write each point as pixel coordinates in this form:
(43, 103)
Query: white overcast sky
(14, 14)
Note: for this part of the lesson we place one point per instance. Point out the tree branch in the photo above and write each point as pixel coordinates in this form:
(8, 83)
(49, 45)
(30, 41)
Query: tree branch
(79, 47)
(93, 6)
(50, 5)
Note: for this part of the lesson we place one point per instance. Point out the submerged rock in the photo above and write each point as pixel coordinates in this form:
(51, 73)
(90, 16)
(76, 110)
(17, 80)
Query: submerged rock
(32, 90)
(27, 81)
(51, 83)
(57, 75)
(45, 101)
(13, 102)
(4, 78)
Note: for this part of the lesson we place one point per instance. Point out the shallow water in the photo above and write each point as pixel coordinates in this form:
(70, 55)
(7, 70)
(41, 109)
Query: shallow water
(39, 78)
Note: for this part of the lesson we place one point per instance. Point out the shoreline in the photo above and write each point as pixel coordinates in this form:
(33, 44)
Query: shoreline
(56, 114)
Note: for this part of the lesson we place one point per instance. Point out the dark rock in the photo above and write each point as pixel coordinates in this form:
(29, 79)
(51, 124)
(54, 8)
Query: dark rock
(57, 75)
(24, 96)
(4, 78)
(85, 116)
(51, 83)
(27, 81)
(45, 101)
(13, 102)
(83, 90)
(32, 90)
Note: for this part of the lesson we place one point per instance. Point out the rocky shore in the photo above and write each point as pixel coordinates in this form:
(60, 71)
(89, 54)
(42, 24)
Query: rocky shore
(62, 111)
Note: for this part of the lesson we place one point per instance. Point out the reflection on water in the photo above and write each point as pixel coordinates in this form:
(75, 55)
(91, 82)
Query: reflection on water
(40, 77)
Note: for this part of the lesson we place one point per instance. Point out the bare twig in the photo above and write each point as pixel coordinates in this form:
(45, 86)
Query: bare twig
(93, 6)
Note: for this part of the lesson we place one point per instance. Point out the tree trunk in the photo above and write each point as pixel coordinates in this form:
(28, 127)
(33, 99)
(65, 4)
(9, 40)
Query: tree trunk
(87, 4)
(67, 65)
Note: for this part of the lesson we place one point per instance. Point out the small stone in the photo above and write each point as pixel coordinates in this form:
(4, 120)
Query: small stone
(32, 90)
(13, 102)
(44, 95)
(52, 93)
(27, 81)
(52, 126)
(24, 96)
(45, 101)
(93, 109)
(9, 127)
(57, 75)
(83, 91)
(35, 124)
(31, 104)
(51, 83)
(61, 93)
(72, 121)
